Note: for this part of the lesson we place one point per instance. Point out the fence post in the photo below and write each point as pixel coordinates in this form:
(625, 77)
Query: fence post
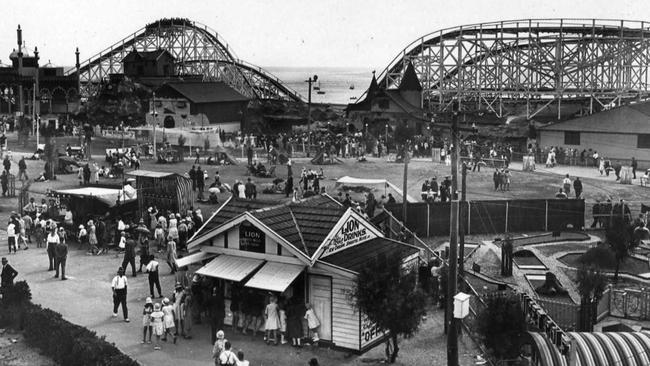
(469, 221)
(428, 219)
(507, 207)
(546, 216)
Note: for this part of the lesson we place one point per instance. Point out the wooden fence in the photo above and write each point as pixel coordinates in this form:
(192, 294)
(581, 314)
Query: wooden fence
(494, 216)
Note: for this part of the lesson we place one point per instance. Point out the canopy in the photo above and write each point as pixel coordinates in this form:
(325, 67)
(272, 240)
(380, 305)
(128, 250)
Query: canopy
(347, 181)
(274, 276)
(194, 258)
(108, 196)
(230, 268)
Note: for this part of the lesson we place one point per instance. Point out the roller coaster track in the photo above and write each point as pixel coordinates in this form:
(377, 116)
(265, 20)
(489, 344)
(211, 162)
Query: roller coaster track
(525, 67)
(197, 49)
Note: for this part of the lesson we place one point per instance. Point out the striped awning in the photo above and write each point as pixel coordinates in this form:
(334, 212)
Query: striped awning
(194, 258)
(275, 276)
(597, 348)
(229, 267)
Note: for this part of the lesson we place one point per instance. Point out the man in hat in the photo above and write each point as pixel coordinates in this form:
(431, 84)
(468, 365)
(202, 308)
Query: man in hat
(8, 275)
(129, 255)
(60, 256)
(119, 287)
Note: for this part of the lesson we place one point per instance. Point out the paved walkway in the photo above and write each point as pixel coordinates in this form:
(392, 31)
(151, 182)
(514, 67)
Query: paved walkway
(85, 299)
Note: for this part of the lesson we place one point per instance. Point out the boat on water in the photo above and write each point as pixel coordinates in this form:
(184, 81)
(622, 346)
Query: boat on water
(353, 98)
(320, 92)
(352, 87)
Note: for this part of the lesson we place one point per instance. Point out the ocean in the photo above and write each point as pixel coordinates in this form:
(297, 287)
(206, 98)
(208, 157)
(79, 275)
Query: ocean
(334, 81)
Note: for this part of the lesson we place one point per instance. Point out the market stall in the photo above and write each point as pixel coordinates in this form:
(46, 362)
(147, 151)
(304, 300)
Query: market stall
(306, 251)
(166, 191)
(88, 202)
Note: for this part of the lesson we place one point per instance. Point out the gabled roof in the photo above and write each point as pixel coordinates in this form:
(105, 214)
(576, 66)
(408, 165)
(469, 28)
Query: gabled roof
(396, 97)
(410, 81)
(232, 208)
(304, 223)
(147, 55)
(353, 258)
(364, 105)
(630, 119)
(205, 92)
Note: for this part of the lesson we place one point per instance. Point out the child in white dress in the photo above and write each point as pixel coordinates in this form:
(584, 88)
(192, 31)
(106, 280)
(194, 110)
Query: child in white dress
(283, 323)
(312, 322)
(170, 316)
(157, 324)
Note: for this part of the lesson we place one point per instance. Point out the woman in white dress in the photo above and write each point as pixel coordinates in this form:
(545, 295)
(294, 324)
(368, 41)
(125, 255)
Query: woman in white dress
(168, 319)
(272, 324)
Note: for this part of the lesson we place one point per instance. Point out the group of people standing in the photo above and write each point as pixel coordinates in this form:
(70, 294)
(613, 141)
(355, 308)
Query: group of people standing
(431, 190)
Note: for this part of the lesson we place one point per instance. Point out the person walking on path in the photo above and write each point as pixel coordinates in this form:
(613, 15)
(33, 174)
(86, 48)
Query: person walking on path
(171, 254)
(22, 169)
(633, 164)
(60, 257)
(154, 279)
(52, 241)
(129, 255)
(119, 286)
(577, 187)
(566, 184)
(7, 276)
(11, 236)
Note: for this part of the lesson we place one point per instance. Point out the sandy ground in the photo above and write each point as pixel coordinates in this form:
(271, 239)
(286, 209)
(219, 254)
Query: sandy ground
(86, 298)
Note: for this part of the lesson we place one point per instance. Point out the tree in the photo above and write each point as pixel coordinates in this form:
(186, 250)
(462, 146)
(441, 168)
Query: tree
(501, 326)
(619, 238)
(387, 294)
(592, 282)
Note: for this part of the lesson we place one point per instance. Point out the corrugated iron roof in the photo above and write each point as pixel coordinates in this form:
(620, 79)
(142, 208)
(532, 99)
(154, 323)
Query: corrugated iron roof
(206, 92)
(630, 119)
(353, 258)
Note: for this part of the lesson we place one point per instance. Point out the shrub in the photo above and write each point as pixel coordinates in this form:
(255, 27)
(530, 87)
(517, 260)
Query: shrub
(17, 294)
(66, 343)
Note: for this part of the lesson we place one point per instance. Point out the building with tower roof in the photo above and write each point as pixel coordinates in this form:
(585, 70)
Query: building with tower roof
(383, 106)
(32, 89)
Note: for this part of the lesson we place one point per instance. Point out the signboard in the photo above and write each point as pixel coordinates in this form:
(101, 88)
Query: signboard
(353, 232)
(251, 239)
(370, 332)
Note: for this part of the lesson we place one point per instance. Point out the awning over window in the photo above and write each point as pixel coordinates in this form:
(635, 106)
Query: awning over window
(275, 276)
(194, 258)
(230, 268)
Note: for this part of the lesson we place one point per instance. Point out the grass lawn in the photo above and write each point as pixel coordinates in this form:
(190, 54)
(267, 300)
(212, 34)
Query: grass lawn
(527, 261)
(630, 265)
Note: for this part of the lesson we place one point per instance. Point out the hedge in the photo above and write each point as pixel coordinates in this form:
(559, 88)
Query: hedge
(66, 343)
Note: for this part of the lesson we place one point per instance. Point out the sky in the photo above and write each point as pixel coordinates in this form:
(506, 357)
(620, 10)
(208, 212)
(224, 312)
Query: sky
(292, 33)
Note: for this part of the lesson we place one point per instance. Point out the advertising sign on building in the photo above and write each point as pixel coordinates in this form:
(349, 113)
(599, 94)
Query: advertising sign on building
(352, 232)
(251, 239)
(370, 332)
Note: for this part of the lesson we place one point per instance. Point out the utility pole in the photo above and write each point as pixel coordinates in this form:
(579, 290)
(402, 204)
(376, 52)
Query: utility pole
(452, 330)
(153, 103)
(312, 79)
(404, 189)
(462, 221)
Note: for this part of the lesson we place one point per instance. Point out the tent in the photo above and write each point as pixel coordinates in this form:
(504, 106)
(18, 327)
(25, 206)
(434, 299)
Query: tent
(351, 181)
(98, 201)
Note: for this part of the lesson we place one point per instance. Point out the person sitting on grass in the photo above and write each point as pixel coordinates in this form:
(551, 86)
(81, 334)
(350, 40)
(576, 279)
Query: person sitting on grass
(560, 194)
